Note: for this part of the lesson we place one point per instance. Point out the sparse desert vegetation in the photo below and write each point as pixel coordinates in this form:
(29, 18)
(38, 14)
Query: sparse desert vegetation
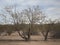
(29, 25)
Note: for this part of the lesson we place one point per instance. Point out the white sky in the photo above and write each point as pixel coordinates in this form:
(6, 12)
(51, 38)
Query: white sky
(50, 7)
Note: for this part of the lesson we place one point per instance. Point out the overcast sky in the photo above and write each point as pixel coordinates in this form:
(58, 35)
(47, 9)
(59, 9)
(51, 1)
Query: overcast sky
(50, 7)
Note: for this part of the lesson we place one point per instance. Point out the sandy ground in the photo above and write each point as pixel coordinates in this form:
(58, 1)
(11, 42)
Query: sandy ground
(35, 40)
(28, 43)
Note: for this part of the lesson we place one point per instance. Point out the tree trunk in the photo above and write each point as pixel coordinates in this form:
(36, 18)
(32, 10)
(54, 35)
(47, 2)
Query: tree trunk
(43, 33)
(23, 36)
(46, 35)
(29, 34)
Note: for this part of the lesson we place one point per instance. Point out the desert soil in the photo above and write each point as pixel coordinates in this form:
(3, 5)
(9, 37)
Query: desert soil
(35, 40)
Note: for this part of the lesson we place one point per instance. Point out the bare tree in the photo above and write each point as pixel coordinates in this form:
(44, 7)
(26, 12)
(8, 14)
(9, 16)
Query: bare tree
(32, 15)
(17, 20)
(35, 16)
(49, 27)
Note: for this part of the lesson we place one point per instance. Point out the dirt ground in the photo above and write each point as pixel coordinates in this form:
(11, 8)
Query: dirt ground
(35, 40)
(28, 43)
